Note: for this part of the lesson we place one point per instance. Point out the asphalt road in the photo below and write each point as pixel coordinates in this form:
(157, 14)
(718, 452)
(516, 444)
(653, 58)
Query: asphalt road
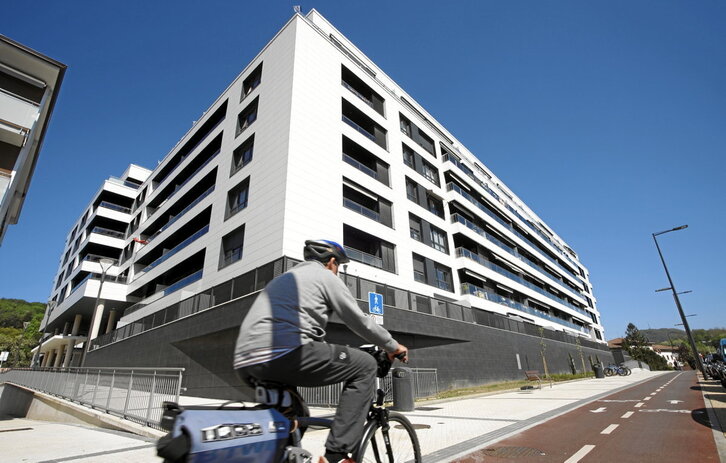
(662, 420)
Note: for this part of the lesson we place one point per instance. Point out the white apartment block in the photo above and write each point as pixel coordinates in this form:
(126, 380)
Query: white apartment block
(313, 140)
(29, 85)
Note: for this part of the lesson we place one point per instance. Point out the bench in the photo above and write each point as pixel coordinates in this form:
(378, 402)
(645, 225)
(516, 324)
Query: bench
(533, 375)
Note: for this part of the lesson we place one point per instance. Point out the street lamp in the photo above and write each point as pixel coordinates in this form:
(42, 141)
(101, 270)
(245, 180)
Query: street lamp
(48, 310)
(105, 264)
(675, 298)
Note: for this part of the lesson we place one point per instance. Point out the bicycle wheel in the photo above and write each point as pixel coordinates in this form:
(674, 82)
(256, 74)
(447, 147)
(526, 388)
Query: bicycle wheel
(402, 445)
(609, 371)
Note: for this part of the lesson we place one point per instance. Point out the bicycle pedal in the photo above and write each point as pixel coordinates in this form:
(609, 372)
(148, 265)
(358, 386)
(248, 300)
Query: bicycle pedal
(298, 455)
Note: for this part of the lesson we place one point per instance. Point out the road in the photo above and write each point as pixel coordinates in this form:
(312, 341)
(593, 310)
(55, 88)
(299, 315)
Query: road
(662, 420)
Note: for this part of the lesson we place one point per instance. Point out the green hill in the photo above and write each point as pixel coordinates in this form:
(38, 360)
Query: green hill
(19, 329)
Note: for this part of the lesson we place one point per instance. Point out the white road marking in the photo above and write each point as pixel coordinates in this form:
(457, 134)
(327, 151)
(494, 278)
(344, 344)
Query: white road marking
(653, 393)
(580, 453)
(599, 410)
(639, 404)
(627, 415)
(647, 398)
(697, 412)
(674, 401)
(614, 400)
(609, 429)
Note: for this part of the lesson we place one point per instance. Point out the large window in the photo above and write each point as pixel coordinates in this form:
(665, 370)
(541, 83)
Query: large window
(443, 277)
(237, 198)
(435, 206)
(438, 240)
(414, 224)
(232, 244)
(248, 116)
(411, 190)
(242, 155)
(419, 268)
(251, 82)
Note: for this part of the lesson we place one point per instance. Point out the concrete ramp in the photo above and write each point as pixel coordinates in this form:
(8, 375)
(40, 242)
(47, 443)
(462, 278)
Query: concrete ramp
(19, 402)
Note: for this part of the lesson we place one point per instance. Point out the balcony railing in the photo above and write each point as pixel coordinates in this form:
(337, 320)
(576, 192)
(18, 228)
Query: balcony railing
(186, 281)
(463, 252)
(176, 249)
(97, 258)
(108, 232)
(366, 170)
(181, 213)
(360, 129)
(125, 183)
(481, 232)
(114, 207)
(453, 187)
(363, 257)
(468, 288)
(359, 208)
(357, 93)
(190, 177)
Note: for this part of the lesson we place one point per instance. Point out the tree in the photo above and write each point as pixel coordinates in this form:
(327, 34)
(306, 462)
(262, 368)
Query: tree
(634, 338)
(685, 354)
(636, 344)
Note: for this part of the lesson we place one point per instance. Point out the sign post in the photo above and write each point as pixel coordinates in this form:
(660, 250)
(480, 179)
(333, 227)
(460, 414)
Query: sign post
(375, 307)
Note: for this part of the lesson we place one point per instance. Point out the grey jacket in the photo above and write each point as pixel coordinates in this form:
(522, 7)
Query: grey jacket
(294, 309)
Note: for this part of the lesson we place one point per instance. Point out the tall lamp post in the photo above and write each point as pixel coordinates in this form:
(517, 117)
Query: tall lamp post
(48, 310)
(97, 307)
(675, 297)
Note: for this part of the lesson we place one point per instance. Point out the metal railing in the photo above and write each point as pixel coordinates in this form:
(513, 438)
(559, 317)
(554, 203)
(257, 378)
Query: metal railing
(425, 384)
(135, 394)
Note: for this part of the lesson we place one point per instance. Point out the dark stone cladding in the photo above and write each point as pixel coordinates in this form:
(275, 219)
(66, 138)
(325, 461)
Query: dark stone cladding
(464, 353)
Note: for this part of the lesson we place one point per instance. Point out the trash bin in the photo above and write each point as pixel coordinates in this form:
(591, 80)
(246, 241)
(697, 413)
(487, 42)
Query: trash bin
(599, 372)
(402, 389)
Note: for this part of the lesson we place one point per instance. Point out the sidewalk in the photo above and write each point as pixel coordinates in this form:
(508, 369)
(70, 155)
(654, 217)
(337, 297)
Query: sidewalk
(446, 428)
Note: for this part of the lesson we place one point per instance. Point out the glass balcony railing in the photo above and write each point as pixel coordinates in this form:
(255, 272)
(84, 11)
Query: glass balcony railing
(481, 232)
(108, 232)
(189, 178)
(114, 207)
(363, 257)
(453, 187)
(97, 258)
(181, 213)
(360, 129)
(186, 281)
(366, 170)
(125, 183)
(176, 249)
(359, 208)
(468, 288)
(357, 93)
(463, 252)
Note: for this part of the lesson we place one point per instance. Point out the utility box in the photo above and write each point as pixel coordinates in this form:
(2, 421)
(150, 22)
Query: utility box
(402, 389)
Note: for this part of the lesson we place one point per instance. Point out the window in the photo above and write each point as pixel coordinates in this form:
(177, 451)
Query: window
(242, 155)
(419, 268)
(408, 157)
(252, 81)
(435, 206)
(443, 277)
(247, 116)
(414, 224)
(405, 126)
(360, 89)
(232, 244)
(438, 240)
(237, 198)
(412, 190)
(430, 172)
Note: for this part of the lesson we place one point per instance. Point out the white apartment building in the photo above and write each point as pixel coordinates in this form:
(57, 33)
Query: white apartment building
(29, 85)
(313, 140)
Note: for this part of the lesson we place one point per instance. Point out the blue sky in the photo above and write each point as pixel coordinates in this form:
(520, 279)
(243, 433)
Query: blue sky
(607, 118)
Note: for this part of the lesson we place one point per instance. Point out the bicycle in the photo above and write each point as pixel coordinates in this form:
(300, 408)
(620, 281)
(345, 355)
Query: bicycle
(619, 370)
(272, 432)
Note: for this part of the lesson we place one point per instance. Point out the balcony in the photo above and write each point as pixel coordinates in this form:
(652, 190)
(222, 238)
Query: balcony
(463, 252)
(366, 170)
(175, 250)
(364, 125)
(468, 288)
(115, 207)
(359, 208)
(181, 213)
(481, 232)
(360, 256)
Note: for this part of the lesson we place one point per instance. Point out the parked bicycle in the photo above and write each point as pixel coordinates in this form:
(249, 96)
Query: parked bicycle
(272, 431)
(620, 370)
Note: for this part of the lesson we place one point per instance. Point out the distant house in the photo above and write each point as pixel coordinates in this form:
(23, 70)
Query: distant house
(667, 352)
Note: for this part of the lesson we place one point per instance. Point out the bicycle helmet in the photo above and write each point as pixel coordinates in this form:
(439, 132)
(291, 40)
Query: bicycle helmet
(323, 250)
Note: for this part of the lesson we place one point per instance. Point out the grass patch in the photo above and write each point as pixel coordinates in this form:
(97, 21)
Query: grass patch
(507, 385)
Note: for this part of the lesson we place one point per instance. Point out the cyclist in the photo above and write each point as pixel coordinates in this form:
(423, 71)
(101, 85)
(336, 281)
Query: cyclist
(281, 340)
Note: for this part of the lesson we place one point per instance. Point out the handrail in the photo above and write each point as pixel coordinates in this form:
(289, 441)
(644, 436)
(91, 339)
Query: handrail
(176, 249)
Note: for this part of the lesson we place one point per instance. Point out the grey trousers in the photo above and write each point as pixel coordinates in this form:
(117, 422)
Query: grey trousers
(320, 364)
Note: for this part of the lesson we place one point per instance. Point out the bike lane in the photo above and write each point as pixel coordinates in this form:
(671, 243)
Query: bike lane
(661, 420)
